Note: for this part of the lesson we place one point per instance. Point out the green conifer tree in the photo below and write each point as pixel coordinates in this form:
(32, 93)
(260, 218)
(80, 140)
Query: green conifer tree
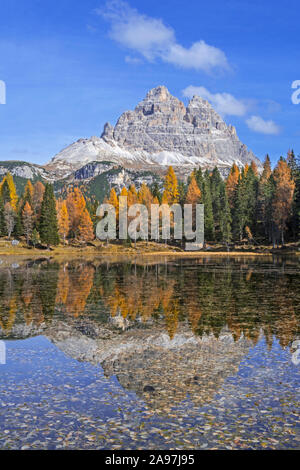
(48, 227)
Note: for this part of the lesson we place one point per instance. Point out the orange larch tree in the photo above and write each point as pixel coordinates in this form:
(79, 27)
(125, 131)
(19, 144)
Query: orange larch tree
(37, 198)
(75, 206)
(86, 230)
(231, 183)
(63, 220)
(27, 218)
(283, 197)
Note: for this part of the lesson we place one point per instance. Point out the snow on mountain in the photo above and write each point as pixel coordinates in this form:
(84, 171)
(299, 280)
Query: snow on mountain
(160, 132)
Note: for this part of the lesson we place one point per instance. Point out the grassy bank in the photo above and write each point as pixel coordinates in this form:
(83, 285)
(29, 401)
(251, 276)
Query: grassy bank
(98, 248)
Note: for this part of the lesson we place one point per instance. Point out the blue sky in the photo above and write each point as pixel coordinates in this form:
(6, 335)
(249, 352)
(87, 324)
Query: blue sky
(70, 66)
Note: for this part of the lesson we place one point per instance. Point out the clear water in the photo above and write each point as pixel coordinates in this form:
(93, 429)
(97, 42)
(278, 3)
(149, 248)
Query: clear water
(158, 354)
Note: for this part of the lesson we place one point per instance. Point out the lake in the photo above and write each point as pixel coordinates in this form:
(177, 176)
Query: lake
(150, 353)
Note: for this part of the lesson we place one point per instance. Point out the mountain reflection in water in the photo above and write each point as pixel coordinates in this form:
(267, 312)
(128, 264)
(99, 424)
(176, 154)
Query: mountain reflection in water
(169, 330)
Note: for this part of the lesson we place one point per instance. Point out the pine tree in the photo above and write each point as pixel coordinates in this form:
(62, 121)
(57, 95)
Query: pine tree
(206, 199)
(294, 165)
(18, 228)
(225, 217)
(217, 193)
(231, 183)
(199, 179)
(156, 192)
(251, 189)
(35, 237)
(239, 209)
(5, 192)
(48, 227)
(182, 190)
(264, 225)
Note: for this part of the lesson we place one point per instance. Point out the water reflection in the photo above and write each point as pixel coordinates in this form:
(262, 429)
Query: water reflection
(203, 295)
(206, 337)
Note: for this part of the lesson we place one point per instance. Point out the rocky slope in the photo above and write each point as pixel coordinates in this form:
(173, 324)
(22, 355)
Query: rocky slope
(160, 132)
(24, 170)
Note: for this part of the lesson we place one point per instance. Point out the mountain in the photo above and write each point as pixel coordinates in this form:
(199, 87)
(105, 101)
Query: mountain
(97, 178)
(160, 132)
(24, 171)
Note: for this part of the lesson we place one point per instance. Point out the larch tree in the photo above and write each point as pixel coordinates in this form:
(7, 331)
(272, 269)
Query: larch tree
(132, 195)
(254, 168)
(171, 186)
(86, 229)
(37, 199)
(63, 220)
(28, 193)
(114, 201)
(27, 219)
(75, 206)
(145, 196)
(9, 218)
(2, 221)
(193, 194)
(231, 183)
(11, 188)
(283, 197)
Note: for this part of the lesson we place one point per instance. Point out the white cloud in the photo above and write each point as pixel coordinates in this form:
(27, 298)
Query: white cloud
(258, 124)
(153, 39)
(132, 60)
(199, 56)
(223, 103)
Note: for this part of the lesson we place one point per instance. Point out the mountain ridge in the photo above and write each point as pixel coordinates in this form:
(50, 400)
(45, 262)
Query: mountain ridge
(160, 132)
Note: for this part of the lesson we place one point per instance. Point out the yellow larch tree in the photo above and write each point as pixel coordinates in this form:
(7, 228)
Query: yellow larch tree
(12, 190)
(231, 183)
(63, 220)
(171, 186)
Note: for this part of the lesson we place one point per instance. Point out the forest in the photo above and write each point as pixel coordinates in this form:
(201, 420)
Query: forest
(260, 207)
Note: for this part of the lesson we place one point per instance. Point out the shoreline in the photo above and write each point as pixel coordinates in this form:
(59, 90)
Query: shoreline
(142, 249)
(139, 253)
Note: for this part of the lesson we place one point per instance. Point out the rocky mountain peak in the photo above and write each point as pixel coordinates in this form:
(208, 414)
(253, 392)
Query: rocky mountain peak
(159, 132)
(160, 93)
